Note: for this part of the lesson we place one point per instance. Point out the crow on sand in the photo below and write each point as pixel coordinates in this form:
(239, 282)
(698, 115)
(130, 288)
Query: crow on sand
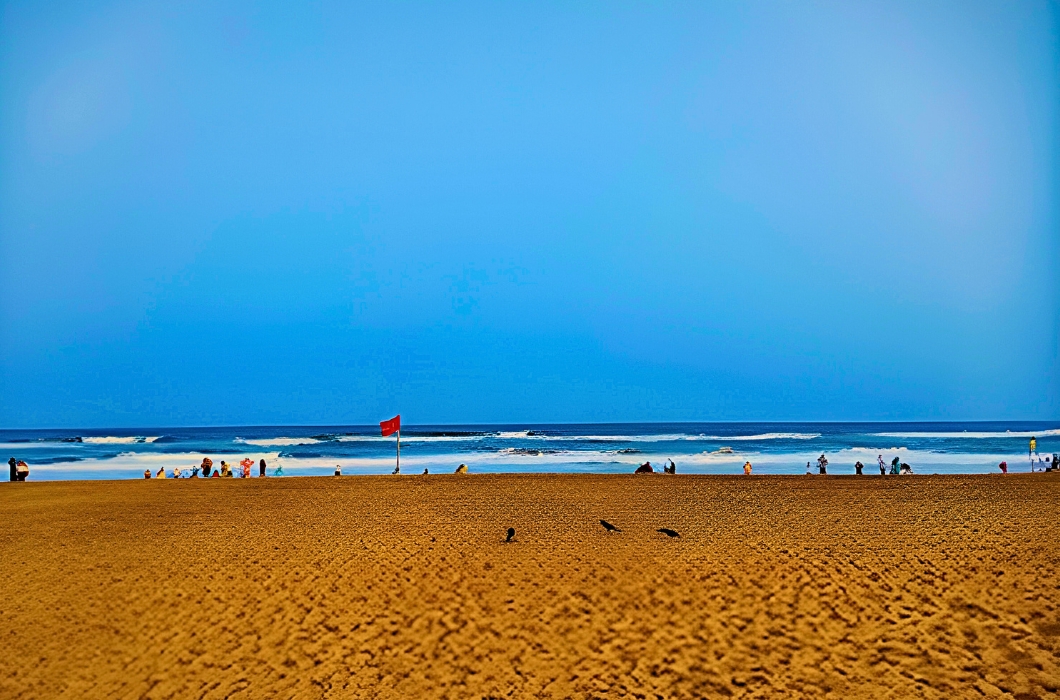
(511, 534)
(668, 532)
(609, 527)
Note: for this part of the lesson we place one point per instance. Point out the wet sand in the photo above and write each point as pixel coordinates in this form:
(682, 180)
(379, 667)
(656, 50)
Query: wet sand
(403, 587)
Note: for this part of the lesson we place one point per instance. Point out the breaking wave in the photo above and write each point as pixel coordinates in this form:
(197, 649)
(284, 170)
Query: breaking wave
(108, 440)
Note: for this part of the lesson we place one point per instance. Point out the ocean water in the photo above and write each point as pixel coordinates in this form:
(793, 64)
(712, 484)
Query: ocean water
(699, 448)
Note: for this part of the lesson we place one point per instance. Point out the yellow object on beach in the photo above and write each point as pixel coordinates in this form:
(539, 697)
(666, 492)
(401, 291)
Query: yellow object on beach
(462, 469)
(747, 468)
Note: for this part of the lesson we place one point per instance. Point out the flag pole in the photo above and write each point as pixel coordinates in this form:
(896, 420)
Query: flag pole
(398, 470)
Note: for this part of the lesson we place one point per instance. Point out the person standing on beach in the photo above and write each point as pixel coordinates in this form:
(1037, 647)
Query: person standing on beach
(14, 469)
(858, 466)
(747, 468)
(261, 468)
(822, 464)
(883, 467)
(808, 470)
(894, 465)
(1033, 450)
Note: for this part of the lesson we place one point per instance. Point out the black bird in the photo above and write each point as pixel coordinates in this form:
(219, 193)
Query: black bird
(609, 527)
(668, 532)
(511, 534)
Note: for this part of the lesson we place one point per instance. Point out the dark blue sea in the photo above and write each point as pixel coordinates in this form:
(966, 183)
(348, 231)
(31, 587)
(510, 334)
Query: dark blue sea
(700, 448)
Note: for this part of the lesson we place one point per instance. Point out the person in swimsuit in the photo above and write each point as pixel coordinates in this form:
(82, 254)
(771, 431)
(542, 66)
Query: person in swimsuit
(747, 468)
(858, 466)
(261, 468)
(883, 467)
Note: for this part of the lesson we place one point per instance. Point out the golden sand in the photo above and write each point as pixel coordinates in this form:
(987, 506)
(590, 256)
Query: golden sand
(403, 587)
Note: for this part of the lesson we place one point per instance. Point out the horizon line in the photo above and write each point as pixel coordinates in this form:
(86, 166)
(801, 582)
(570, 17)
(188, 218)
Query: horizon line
(543, 423)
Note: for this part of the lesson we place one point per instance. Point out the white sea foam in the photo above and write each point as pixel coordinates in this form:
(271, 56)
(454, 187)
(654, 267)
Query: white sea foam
(132, 464)
(277, 442)
(763, 436)
(59, 443)
(666, 437)
(974, 435)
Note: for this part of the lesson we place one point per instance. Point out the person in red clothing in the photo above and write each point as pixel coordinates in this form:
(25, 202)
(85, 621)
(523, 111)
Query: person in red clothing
(1004, 467)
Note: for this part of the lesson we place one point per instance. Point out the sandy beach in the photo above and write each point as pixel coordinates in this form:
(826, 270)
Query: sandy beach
(403, 587)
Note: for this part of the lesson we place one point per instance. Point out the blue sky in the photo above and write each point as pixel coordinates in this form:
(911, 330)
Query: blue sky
(327, 213)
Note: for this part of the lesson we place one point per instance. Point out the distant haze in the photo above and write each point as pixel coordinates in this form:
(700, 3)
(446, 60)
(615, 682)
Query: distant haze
(233, 214)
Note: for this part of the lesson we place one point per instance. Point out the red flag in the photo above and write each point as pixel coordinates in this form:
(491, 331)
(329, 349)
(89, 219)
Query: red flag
(389, 427)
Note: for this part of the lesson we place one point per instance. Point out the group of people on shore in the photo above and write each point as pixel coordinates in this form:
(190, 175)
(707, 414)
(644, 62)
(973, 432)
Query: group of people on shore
(19, 470)
(1041, 465)
(897, 466)
(1038, 464)
(208, 471)
(646, 468)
